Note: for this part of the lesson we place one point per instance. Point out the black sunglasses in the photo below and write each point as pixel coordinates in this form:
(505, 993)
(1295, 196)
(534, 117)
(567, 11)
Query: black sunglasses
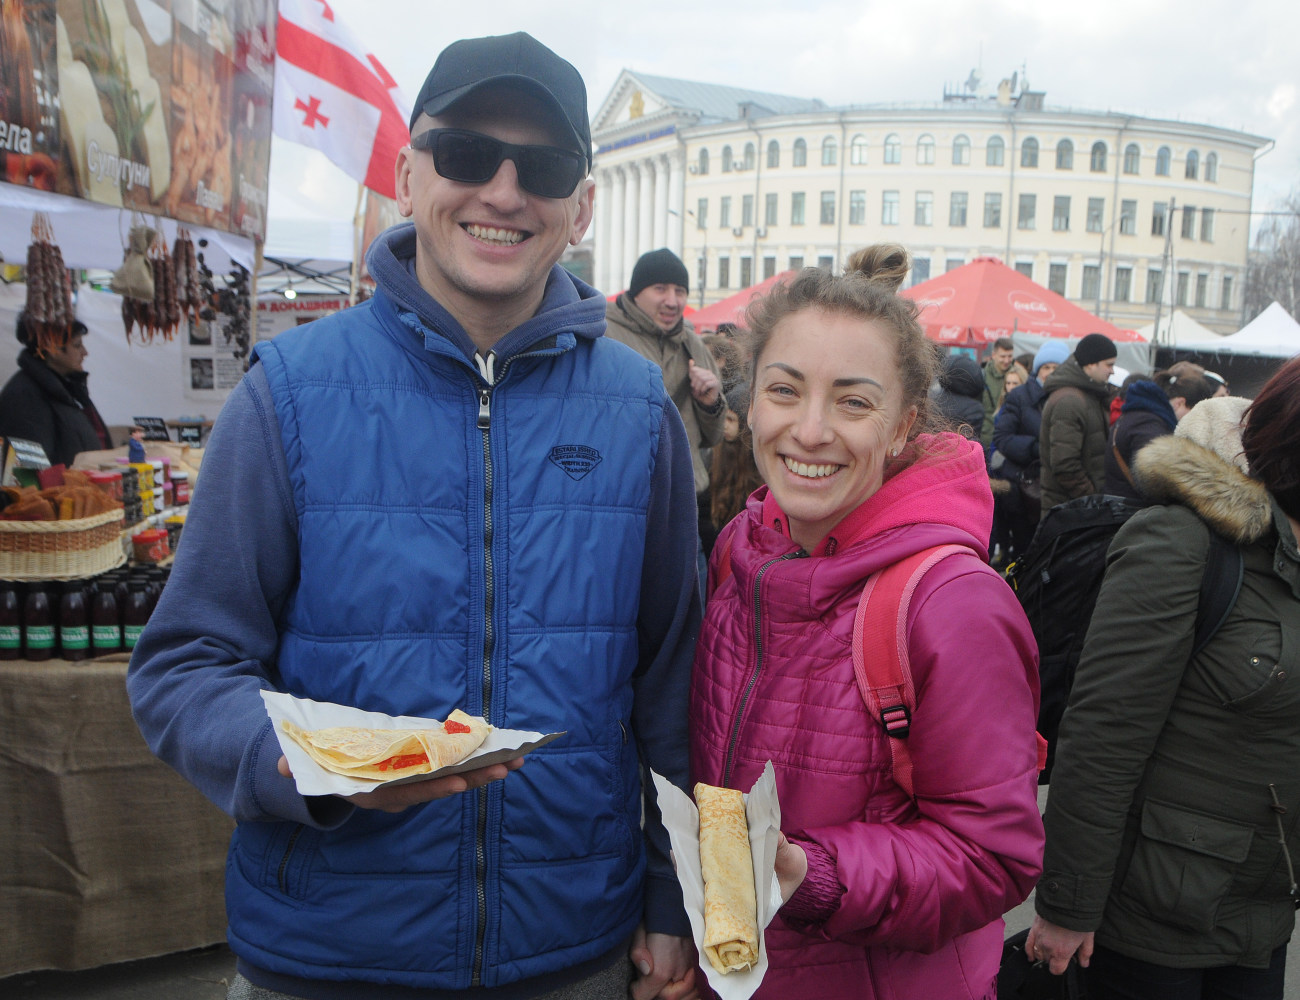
(474, 158)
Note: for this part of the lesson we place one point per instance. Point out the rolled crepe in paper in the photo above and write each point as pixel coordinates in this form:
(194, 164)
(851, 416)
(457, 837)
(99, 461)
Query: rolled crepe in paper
(727, 866)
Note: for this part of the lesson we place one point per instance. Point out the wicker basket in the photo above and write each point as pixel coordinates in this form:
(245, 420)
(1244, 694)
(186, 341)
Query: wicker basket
(61, 550)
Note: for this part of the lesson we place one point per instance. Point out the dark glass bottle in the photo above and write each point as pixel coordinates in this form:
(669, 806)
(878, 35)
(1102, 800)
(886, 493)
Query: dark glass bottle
(11, 621)
(154, 575)
(74, 622)
(120, 592)
(105, 621)
(38, 624)
(136, 613)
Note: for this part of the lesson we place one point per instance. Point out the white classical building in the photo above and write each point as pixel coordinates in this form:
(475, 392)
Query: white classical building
(1116, 212)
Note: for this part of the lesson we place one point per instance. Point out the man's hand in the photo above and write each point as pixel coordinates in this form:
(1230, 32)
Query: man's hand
(395, 798)
(705, 386)
(665, 967)
(791, 867)
(1056, 945)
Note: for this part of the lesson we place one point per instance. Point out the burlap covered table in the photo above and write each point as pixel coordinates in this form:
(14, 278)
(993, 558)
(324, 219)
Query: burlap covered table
(106, 854)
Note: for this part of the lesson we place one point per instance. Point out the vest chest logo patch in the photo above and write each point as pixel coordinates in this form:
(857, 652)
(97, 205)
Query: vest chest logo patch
(576, 460)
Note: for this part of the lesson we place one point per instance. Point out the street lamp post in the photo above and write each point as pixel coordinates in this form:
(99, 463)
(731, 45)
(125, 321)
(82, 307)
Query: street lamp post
(703, 269)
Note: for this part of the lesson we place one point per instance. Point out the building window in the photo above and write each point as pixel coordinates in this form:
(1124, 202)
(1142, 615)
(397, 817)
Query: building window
(829, 150)
(726, 159)
(1132, 158)
(1225, 300)
(857, 208)
(993, 211)
(828, 208)
(1065, 155)
(703, 166)
(751, 156)
(701, 213)
(769, 267)
(1091, 287)
(701, 270)
(1193, 166)
(1162, 161)
(746, 271)
(952, 263)
(1056, 277)
(826, 263)
(1097, 162)
(724, 211)
(1123, 283)
(796, 263)
(1189, 222)
(773, 154)
(1061, 213)
(747, 210)
(995, 152)
(1155, 285)
(769, 209)
(889, 208)
(1184, 279)
(1026, 267)
(924, 215)
(858, 151)
(957, 209)
(800, 156)
(1029, 153)
(1028, 208)
(724, 272)
(796, 208)
(1207, 225)
(1128, 217)
(1159, 218)
(1096, 214)
(960, 151)
(920, 270)
(1202, 289)
(1211, 168)
(925, 150)
(893, 149)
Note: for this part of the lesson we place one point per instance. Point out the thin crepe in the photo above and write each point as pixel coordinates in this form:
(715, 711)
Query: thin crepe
(358, 752)
(727, 866)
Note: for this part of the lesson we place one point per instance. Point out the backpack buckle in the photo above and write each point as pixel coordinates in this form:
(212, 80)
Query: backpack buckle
(897, 720)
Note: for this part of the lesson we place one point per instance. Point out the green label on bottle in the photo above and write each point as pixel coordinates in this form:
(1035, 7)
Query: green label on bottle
(40, 636)
(75, 636)
(106, 636)
(11, 637)
(130, 633)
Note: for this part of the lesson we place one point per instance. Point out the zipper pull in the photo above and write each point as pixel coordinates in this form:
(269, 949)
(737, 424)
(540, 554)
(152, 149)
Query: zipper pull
(487, 369)
(484, 415)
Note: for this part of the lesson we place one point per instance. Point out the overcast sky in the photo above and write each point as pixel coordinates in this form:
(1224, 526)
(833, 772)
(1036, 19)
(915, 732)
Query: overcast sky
(1235, 65)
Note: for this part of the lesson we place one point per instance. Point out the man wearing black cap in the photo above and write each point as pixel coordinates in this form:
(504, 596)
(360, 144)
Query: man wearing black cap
(459, 494)
(1076, 418)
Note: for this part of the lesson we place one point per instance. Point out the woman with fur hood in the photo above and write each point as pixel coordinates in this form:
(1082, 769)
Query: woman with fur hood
(1172, 844)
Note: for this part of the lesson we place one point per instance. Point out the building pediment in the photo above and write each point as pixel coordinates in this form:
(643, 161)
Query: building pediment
(631, 104)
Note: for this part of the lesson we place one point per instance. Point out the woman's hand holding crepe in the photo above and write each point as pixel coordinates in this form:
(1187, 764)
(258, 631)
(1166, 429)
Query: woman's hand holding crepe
(791, 867)
(396, 798)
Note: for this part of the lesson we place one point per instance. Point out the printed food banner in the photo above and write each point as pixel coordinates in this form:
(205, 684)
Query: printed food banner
(160, 106)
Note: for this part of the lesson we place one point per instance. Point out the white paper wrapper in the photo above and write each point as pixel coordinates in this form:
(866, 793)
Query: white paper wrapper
(682, 821)
(500, 746)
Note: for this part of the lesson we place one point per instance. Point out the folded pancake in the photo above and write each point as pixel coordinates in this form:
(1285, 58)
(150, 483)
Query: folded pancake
(727, 864)
(384, 754)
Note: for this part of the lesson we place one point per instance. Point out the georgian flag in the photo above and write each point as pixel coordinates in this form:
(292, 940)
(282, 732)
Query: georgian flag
(333, 95)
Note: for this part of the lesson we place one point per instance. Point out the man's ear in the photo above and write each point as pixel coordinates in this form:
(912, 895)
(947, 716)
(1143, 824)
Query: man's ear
(402, 181)
(586, 207)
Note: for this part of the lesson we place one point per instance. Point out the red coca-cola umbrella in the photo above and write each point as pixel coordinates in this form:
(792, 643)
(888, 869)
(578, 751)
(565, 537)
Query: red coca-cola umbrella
(979, 302)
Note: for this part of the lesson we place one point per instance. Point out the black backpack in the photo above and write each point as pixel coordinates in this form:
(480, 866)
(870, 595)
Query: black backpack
(1059, 577)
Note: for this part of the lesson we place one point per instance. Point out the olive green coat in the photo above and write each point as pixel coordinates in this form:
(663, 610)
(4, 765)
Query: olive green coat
(1072, 437)
(1161, 832)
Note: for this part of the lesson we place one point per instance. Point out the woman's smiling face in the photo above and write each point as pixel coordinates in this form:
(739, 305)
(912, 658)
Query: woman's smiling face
(826, 414)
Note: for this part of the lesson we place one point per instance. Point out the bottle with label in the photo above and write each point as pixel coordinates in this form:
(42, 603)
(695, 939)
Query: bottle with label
(105, 622)
(74, 622)
(136, 612)
(38, 624)
(11, 622)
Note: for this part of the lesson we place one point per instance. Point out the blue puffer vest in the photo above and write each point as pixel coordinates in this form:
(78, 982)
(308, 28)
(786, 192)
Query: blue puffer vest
(472, 547)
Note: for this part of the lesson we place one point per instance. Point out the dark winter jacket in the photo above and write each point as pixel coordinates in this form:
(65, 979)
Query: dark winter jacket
(1072, 440)
(961, 385)
(1146, 415)
(1016, 428)
(55, 411)
(1162, 834)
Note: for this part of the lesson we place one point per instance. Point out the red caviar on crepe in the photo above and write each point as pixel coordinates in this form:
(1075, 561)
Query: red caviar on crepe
(384, 754)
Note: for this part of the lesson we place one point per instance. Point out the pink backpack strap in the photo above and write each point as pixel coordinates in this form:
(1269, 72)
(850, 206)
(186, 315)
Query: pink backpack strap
(885, 676)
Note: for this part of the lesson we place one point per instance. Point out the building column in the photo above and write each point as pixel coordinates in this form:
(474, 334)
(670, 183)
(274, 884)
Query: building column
(631, 213)
(614, 252)
(662, 205)
(646, 207)
(604, 227)
(676, 201)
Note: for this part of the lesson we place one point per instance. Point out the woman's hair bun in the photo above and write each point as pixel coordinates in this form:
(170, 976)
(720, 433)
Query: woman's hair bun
(886, 264)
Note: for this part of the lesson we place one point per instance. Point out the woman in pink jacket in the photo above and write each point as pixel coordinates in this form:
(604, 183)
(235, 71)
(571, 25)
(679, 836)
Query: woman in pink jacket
(888, 896)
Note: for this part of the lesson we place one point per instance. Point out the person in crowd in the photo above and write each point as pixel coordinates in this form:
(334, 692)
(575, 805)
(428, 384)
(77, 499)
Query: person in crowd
(1152, 408)
(885, 894)
(733, 476)
(1171, 850)
(1001, 357)
(726, 355)
(1002, 480)
(474, 554)
(1015, 438)
(1072, 438)
(47, 399)
(961, 386)
(648, 318)
(1220, 384)
(1221, 387)
(1015, 377)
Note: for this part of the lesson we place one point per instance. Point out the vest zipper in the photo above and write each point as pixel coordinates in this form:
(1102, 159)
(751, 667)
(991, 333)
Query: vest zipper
(284, 861)
(758, 662)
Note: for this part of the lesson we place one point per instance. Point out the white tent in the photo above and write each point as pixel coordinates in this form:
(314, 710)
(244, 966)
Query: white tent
(1271, 334)
(1177, 328)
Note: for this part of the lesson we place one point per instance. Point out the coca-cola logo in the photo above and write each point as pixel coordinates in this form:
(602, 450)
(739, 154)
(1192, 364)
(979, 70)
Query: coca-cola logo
(937, 298)
(1030, 305)
(951, 334)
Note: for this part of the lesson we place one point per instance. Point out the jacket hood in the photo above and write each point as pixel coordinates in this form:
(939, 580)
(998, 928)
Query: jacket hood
(1148, 396)
(569, 305)
(1172, 469)
(962, 375)
(627, 313)
(1070, 374)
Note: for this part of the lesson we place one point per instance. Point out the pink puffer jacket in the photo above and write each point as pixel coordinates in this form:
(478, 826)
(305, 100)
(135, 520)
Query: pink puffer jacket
(925, 882)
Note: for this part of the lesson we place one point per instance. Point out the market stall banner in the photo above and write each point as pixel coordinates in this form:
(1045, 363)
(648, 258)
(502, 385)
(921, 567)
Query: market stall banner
(158, 106)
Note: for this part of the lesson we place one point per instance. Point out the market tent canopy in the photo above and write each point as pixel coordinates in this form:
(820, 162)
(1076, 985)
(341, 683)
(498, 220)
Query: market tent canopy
(979, 302)
(732, 308)
(1177, 328)
(1271, 334)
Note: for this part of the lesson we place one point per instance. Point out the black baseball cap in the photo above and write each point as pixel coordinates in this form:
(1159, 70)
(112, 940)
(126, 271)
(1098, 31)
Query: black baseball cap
(519, 60)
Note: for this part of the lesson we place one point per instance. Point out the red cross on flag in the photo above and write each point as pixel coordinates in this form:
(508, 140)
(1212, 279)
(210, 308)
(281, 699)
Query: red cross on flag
(330, 93)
